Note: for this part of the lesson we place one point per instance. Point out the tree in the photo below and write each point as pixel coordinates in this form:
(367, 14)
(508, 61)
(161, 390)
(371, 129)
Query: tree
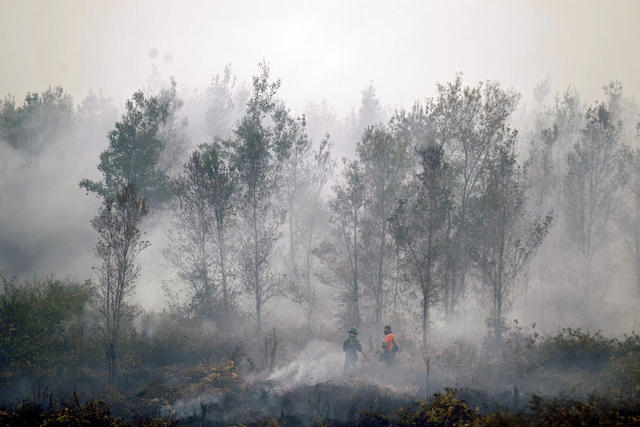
(385, 164)
(369, 113)
(38, 121)
(628, 218)
(120, 241)
(342, 255)
(202, 211)
(419, 226)
(96, 111)
(556, 129)
(172, 131)
(222, 186)
(591, 185)
(504, 238)
(466, 122)
(258, 153)
(220, 105)
(192, 247)
(294, 186)
(134, 152)
(309, 211)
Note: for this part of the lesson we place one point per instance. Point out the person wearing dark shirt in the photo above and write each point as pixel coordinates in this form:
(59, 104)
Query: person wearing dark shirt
(351, 347)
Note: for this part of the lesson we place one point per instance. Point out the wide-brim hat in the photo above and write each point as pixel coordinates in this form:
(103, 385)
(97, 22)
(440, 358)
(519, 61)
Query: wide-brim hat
(353, 331)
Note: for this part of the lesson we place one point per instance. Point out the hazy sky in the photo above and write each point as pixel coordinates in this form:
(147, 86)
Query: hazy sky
(322, 49)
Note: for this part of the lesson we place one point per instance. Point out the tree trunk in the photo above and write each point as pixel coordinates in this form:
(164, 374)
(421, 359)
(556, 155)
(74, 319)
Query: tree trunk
(425, 317)
(396, 287)
(380, 282)
(256, 268)
(111, 362)
(258, 315)
(356, 290)
(223, 266)
(204, 274)
(307, 273)
(636, 236)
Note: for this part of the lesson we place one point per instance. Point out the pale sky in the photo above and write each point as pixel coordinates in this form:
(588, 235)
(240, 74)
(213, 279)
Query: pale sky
(322, 49)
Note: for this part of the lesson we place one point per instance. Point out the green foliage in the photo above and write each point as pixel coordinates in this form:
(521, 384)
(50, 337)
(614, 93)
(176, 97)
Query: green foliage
(593, 411)
(36, 321)
(571, 347)
(38, 120)
(446, 409)
(203, 210)
(134, 151)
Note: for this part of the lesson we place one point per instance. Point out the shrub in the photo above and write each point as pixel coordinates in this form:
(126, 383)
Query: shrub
(36, 322)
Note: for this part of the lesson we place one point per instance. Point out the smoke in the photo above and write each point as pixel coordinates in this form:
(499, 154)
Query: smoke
(44, 219)
(319, 361)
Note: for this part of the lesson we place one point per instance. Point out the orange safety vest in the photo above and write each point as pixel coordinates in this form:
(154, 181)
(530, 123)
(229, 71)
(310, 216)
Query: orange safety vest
(388, 342)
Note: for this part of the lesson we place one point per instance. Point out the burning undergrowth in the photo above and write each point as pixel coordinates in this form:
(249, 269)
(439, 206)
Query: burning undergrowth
(310, 387)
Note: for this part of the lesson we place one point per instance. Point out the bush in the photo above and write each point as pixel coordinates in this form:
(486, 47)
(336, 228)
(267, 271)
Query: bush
(446, 409)
(594, 411)
(572, 347)
(36, 322)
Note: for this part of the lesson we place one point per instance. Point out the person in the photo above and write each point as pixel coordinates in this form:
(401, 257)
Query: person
(351, 347)
(389, 347)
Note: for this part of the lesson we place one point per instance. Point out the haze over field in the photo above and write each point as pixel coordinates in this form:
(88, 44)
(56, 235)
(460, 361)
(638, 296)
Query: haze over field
(198, 199)
(325, 54)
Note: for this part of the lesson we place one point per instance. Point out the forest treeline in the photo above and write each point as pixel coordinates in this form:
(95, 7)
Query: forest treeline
(442, 206)
(435, 206)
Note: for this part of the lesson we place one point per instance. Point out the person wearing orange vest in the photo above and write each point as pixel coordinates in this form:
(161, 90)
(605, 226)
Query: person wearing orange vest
(389, 347)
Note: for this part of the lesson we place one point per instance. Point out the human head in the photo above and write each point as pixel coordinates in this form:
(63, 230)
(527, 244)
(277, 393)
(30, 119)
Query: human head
(353, 332)
(387, 329)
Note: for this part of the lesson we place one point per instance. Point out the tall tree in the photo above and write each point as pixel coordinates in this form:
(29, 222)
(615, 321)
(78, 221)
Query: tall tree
(220, 196)
(466, 122)
(220, 105)
(342, 254)
(628, 218)
(310, 212)
(556, 128)
(385, 164)
(258, 153)
(120, 241)
(369, 113)
(591, 185)
(294, 131)
(419, 226)
(202, 212)
(192, 247)
(504, 238)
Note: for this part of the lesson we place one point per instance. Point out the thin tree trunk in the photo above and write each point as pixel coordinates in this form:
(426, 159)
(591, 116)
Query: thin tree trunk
(222, 249)
(380, 282)
(307, 267)
(203, 260)
(356, 301)
(397, 283)
(425, 318)
(637, 258)
(256, 272)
